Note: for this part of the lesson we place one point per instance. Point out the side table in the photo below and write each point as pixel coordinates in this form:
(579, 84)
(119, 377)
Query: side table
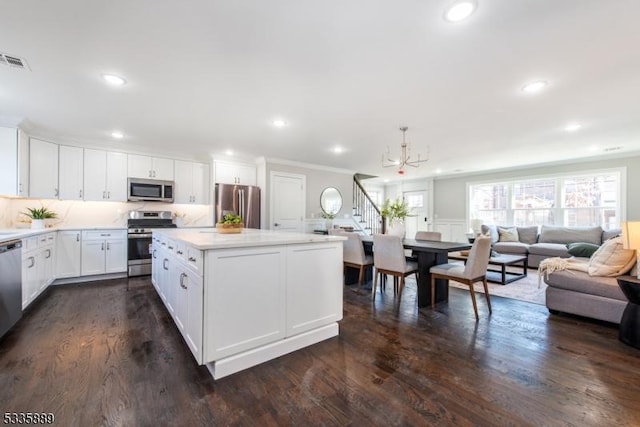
(630, 323)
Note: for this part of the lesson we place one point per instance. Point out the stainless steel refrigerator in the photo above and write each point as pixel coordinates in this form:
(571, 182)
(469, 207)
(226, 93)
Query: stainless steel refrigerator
(243, 200)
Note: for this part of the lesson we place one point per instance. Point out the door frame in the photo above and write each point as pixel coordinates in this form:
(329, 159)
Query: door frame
(272, 174)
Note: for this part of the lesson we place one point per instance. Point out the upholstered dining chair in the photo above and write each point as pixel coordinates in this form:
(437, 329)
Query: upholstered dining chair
(474, 271)
(353, 255)
(388, 258)
(429, 235)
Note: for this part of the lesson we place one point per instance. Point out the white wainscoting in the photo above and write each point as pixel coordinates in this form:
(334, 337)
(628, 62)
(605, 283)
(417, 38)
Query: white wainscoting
(453, 230)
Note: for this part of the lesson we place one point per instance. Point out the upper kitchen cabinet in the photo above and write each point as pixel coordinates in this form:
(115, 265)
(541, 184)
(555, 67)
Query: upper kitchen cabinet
(192, 182)
(106, 177)
(71, 172)
(43, 169)
(234, 173)
(14, 162)
(150, 167)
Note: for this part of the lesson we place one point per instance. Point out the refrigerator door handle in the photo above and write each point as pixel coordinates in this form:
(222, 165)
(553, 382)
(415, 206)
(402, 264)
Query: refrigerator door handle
(241, 204)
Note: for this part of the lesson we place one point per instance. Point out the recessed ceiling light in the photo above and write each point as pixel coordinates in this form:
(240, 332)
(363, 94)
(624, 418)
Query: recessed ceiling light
(438, 170)
(114, 80)
(594, 148)
(534, 87)
(229, 153)
(337, 150)
(117, 134)
(459, 11)
(386, 180)
(572, 127)
(279, 123)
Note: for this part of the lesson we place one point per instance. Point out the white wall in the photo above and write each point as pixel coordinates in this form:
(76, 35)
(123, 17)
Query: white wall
(450, 193)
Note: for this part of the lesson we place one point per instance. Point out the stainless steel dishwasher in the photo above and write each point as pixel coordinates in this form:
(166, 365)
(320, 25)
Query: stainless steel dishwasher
(10, 284)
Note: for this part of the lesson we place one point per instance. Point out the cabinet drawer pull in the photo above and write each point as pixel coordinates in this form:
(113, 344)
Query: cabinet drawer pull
(33, 262)
(170, 247)
(179, 252)
(105, 234)
(164, 263)
(48, 253)
(182, 276)
(192, 259)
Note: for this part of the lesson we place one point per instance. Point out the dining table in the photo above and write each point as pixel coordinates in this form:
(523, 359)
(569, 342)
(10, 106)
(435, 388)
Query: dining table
(429, 253)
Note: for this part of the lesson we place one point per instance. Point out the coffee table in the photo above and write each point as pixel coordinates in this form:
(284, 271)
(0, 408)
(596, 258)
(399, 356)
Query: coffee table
(501, 276)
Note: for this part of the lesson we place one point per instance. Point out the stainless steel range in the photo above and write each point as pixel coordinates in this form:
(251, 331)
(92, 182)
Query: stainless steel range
(141, 224)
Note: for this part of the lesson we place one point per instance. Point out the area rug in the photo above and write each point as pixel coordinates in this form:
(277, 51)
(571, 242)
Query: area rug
(525, 289)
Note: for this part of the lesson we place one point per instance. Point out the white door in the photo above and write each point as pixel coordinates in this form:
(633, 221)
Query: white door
(43, 169)
(419, 207)
(71, 172)
(287, 197)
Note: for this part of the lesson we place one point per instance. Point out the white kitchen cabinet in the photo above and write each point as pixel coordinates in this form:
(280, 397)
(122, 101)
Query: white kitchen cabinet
(188, 307)
(234, 173)
(71, 175)
(191, 182)
(43, 169)
(106, 175)
(68, 254)
(150, 167)
(14, 162)
(37, 266)
(103, 252)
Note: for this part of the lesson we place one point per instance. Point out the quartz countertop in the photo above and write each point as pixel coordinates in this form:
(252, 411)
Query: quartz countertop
(209, 238)
(7, 234)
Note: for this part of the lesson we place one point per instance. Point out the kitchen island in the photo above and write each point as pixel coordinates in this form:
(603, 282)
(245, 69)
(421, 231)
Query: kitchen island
(242, 299)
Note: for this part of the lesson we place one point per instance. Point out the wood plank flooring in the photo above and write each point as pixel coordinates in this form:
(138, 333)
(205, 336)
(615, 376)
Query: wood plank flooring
(97, 354)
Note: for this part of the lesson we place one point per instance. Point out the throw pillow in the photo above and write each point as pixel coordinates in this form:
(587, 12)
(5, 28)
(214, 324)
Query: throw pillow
(582, 249)
(611, 259)
(508, 234)
(528, 235)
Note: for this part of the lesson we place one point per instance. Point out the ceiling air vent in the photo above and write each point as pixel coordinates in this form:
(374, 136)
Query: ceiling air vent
(612, 149)
(13, 61)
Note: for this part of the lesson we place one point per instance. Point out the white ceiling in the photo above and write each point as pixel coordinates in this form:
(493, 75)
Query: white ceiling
(205, 76)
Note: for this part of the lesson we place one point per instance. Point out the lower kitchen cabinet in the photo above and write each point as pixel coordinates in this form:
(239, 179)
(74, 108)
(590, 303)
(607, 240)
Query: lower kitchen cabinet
(68, 254)
(37, 266)
(104, 252)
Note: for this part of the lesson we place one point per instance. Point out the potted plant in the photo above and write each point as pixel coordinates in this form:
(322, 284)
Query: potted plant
(38, 215)
(230, 223)
(395, 213)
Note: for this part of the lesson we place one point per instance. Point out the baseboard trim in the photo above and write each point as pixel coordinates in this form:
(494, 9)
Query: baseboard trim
(238, 362)
(81, 279)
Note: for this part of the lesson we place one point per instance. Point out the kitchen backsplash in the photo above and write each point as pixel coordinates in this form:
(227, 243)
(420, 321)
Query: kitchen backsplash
(96, 214)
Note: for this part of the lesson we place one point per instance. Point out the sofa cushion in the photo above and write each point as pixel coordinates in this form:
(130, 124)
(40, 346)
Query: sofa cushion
(582, 249)
(549, 249)
(610, 234)
(515, 248)
(555, 234)
(579, 281)
(508, 234)
(528, 235)
(611, 259)
(491, 231)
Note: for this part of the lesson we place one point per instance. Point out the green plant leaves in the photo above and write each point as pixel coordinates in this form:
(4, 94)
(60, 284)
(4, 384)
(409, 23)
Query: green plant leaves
(40, 213)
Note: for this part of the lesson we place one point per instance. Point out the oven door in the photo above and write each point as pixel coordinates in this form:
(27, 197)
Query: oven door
(138, 250)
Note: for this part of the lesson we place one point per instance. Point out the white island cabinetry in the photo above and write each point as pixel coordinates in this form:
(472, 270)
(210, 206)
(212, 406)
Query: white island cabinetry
(240, 300)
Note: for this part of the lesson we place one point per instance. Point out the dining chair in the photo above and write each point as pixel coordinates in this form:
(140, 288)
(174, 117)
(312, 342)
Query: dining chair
(354, 256)
(429, 235)
(388, 258)
(474, 271)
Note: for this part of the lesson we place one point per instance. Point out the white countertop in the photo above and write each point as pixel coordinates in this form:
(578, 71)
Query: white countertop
(7, 234)
(209, 238)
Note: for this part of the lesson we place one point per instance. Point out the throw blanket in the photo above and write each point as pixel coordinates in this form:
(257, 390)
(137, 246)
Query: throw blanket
(549, 265)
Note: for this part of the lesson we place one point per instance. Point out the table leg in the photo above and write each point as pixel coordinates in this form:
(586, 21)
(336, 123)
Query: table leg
(426, 260)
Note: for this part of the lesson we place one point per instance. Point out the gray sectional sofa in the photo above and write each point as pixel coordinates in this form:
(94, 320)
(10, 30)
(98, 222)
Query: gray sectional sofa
(551, 241)
(576, 292)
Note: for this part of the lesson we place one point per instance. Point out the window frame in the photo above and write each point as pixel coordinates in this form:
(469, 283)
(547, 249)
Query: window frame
(558, 210)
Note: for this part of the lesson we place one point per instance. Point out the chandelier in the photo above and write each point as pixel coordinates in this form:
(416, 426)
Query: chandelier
(405, 156)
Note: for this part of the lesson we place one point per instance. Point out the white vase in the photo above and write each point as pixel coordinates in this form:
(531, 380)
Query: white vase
(396, 228)
(37, 224)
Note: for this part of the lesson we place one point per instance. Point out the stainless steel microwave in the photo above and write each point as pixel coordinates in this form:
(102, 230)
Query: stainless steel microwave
(149, 190)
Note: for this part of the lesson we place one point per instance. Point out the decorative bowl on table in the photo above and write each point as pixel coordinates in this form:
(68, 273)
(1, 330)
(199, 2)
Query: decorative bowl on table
(229, 228)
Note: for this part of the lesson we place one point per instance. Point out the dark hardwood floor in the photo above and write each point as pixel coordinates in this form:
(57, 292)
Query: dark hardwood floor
(97, 354)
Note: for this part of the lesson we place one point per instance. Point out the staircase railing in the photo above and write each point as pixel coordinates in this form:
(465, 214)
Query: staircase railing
(369, 215)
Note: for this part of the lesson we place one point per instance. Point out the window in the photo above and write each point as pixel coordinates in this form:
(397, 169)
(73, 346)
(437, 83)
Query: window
(587, 199)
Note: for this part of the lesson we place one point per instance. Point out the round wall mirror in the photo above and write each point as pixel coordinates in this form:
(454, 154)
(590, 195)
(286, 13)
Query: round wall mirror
(330, 201)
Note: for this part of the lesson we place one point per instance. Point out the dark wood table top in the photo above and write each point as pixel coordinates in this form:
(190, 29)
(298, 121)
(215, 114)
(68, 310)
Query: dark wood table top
(427, 245)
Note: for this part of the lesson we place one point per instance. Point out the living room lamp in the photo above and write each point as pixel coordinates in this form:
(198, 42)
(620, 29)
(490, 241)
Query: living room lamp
(631, 240)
